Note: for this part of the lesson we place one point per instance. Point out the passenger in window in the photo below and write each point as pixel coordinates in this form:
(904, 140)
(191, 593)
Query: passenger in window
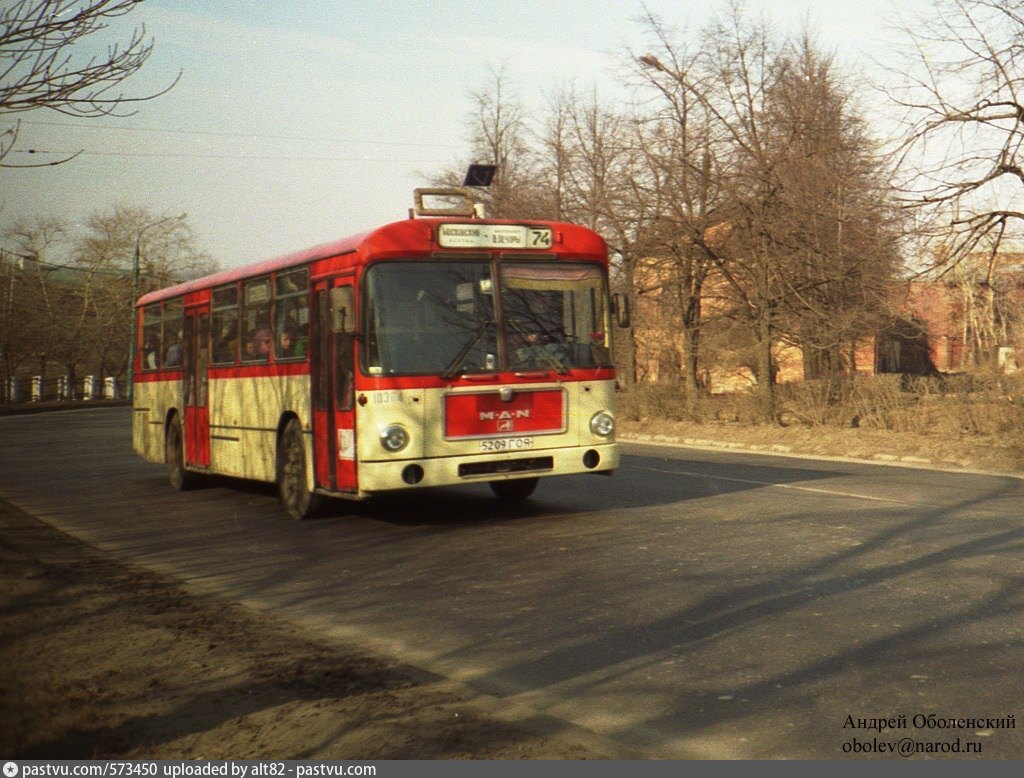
(286, 344)
(173, 356)
(301, 344)
(263, 342)
(149, 353)
(224, 351)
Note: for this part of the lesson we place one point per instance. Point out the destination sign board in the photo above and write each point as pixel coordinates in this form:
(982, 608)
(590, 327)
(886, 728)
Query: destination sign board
(493, 236)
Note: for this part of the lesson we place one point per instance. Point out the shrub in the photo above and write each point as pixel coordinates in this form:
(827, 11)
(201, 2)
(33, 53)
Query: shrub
(948, 405)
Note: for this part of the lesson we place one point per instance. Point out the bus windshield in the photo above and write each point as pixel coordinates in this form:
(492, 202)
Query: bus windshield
(443, 318)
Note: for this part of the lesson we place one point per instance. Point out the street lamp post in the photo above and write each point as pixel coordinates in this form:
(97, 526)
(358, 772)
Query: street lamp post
(135, 294)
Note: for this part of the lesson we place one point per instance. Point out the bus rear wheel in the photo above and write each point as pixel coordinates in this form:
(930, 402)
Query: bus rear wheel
(292, 488)
(518, 489)
(174, 448)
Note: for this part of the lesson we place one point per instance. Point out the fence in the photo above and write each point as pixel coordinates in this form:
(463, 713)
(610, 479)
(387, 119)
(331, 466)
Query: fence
(61, 389)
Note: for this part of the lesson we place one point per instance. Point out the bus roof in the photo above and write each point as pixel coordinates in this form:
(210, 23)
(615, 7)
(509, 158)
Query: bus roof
(324, 250)
(410, 235)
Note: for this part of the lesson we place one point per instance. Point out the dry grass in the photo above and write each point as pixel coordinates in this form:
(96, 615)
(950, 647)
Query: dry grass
(974, 421)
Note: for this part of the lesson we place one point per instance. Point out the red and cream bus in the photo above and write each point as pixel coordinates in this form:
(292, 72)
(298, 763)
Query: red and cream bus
(444, 349)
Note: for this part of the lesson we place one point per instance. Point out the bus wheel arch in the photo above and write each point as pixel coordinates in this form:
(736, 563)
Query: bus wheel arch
(292, 471)
(174, 453)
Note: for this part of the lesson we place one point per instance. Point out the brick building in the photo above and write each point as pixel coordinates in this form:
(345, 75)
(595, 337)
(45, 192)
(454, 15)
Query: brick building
(949, 325)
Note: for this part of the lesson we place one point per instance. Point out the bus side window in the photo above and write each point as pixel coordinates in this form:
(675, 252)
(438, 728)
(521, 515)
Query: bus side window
(225, 326)
(172, 357)
(174, 315)
(151, 337)
(257, 338)
(291, 315)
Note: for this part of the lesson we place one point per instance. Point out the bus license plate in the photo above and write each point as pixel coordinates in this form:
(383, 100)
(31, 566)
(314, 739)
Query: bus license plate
(506, 444)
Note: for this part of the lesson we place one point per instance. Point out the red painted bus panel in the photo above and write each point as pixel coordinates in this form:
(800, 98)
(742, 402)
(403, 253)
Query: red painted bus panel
(487, 415)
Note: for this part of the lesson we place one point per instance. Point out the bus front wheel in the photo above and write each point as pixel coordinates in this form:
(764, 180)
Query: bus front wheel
(298, 501)
(518, 489)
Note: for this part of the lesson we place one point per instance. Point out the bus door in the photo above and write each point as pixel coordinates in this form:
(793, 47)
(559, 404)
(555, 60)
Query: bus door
(333, 384)
(196, 386)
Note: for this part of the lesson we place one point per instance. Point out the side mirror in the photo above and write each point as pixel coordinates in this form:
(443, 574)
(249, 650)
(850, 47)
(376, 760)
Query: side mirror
(343, 309)
(620, 307)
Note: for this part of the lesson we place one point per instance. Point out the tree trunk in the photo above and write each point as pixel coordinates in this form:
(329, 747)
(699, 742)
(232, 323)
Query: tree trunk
(691, 347)
(691, 378)
(764, 368)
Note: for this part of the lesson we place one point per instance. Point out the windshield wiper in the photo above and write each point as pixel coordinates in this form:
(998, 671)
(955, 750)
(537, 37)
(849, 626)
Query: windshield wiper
(455, 366)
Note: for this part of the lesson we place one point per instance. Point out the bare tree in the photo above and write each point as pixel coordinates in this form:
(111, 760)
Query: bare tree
(727, 81)
(68, 301)
(17, 345)
(46, 312)
(167, 253)
(786, 188)
(962, 155)
(983, 291)
(554, 148)
(835, 208)
(590, 161)
(610, 196)
(498, 136)
(682, 192)
(45, 61)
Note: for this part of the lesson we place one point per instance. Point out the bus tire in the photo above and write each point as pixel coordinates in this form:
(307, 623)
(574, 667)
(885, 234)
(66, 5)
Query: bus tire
(517, 489)
(174, 446)
(297, 500)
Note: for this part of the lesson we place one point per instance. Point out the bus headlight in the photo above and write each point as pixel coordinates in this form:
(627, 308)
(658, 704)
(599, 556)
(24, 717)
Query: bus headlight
(394, 438)
(602, 423)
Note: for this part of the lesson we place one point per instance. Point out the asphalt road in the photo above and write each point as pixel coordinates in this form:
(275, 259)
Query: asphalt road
(696, 604)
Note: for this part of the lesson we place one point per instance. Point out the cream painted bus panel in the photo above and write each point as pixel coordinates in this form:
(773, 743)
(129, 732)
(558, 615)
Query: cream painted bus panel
(159, 397)
(250, 410)
(421, 412)
(398, 406)
(387, 476)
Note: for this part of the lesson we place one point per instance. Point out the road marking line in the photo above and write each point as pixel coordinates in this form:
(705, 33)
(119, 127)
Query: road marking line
(811, 489)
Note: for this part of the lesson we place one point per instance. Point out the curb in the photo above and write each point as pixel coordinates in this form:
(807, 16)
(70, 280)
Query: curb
(47, 407)
(779, 450)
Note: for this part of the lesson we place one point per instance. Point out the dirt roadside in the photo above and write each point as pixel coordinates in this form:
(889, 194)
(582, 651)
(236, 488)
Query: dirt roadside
(99, 659)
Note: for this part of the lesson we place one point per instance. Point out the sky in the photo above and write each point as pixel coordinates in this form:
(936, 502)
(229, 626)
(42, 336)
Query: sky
(297, 122)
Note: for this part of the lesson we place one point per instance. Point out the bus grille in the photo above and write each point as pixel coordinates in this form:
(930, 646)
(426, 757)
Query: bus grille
(506, 466)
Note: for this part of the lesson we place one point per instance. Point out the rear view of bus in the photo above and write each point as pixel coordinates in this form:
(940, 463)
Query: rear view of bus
(440, 350)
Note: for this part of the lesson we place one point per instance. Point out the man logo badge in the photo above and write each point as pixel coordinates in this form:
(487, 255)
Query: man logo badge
(523, 413)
